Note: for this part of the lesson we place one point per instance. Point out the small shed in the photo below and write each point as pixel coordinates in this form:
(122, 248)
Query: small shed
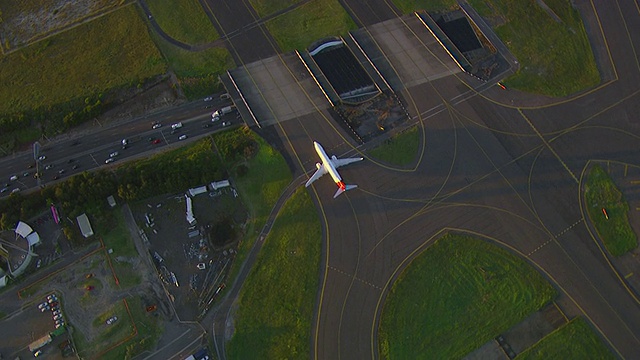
(85, 225)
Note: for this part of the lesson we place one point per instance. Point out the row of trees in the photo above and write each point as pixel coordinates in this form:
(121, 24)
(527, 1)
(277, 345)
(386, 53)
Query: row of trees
(87, 192)
(53, 119)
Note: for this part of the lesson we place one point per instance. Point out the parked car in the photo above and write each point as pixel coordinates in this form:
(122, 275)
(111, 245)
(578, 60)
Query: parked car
(52, 297)
(111, 320)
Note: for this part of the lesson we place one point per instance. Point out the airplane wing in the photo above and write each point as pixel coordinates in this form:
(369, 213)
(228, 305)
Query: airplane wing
(342, 162)
(316, 175)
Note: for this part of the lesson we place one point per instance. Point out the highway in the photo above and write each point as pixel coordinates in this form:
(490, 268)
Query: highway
(73, 153)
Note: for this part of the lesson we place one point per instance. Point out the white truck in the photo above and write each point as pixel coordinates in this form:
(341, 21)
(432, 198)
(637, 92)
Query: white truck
(225, 110)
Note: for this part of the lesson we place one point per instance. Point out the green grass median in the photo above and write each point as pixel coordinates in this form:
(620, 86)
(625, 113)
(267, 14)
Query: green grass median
(277, 300)
(310, 22)
(183, 20)
(601, 193)
(266, 177)
(550, 43)
(401, 149)
(574, 340)
(458, 294)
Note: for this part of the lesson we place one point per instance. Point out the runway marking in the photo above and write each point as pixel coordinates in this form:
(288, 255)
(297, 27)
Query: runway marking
(546, 143)
(569, 228)
(355, 278)
(539, 247)
(555, 237)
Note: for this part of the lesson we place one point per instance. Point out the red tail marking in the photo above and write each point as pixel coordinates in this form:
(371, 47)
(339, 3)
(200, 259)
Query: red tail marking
(341, 185)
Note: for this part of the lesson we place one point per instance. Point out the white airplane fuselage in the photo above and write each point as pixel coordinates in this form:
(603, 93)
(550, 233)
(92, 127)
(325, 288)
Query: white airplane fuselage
(329, 164)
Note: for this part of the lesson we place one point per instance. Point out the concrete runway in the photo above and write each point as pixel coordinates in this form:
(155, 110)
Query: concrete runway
(504, 166)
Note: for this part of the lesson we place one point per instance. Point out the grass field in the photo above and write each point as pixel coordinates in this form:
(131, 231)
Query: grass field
(267, 7)
(458, 294)
(149, 331)
(574, 340)
(183, 20)
(111, 52)
(408, 6)
(266, 179)
(277, 300)
(401, 149)
(108, 334)
(555, 57)
(616, 232)
(197, 71)
(116, 236)
(310, 22)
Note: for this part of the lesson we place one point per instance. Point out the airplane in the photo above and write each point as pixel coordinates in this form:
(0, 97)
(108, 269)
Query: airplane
(329, 165)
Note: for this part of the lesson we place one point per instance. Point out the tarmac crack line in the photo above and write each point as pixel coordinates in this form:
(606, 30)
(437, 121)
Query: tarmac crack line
(546, 143)
(355, 278)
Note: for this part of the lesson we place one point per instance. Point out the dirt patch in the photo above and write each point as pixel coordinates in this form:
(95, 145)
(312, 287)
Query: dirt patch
(26, 21)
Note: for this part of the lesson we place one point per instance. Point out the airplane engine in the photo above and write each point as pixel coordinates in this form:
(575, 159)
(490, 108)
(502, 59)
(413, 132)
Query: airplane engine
(318, 165)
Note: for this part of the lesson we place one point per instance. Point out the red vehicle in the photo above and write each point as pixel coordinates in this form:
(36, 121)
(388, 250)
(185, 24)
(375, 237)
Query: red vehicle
(156, 141)
(89, 287)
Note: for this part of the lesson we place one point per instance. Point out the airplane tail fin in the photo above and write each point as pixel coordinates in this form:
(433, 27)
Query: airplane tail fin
(341, 190)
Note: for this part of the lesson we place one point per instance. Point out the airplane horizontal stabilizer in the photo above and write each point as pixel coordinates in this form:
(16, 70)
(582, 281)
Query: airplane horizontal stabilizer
(341, 190)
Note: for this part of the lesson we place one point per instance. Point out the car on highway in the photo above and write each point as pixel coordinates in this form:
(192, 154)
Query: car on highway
(226, 123)
(156, 141)
(61, 171)
(182, 137)
(15, 190)
(56, 177)
(206, 125)
(42, 157)
(109, 160)
(177, 125)
(75, 166)
(111, 320)
(48, 167)
(208, 98)
(25, 174)
(4, 189)
(114, 154)
(156, 125)
(13, 178)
